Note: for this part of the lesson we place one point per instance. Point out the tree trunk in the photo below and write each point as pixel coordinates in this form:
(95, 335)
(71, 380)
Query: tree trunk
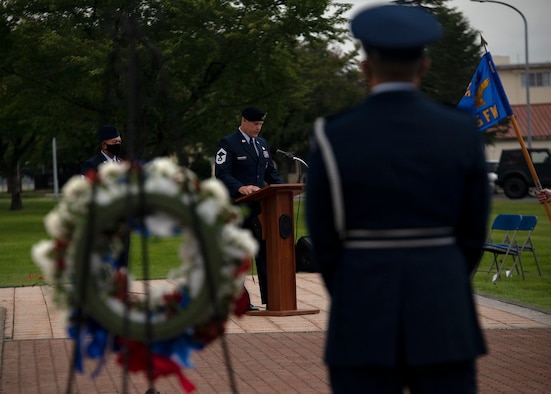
(16, 201)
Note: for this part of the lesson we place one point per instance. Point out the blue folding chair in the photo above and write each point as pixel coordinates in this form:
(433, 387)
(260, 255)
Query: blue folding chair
(506, 226)
(526, 227)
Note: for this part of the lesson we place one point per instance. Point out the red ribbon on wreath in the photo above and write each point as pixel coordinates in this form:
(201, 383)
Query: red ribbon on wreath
(162, 366)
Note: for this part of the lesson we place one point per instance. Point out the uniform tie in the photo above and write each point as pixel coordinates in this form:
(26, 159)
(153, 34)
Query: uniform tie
(251, 141)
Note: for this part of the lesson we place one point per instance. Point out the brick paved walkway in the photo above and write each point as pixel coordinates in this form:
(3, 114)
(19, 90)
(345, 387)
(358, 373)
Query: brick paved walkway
(268, 354)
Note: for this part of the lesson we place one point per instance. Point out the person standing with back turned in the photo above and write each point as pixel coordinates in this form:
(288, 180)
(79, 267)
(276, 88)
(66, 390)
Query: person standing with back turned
(394, 242)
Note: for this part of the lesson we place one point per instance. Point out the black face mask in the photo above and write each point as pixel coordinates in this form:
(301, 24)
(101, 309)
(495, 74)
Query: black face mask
(114, 149)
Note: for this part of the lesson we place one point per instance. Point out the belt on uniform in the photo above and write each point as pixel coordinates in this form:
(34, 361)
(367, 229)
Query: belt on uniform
(399, 238)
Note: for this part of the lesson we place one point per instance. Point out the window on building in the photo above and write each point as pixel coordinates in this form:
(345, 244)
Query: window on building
(536, 79)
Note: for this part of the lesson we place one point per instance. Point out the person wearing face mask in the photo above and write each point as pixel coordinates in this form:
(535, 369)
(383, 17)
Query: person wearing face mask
(110, 142)
(110, 149)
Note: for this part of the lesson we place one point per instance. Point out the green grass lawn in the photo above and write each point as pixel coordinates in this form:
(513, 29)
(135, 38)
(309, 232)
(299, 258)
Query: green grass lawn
(533, 290)
(19, 230)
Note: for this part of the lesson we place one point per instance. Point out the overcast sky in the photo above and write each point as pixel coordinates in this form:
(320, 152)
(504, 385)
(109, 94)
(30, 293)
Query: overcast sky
(501, 26)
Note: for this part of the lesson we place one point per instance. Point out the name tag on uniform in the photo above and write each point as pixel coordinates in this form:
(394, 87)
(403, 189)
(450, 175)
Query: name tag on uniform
(241, 157)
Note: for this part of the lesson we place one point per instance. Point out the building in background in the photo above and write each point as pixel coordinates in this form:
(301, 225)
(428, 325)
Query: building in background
(514, 83)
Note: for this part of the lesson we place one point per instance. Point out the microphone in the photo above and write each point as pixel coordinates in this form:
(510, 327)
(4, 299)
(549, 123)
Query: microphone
(286, 154)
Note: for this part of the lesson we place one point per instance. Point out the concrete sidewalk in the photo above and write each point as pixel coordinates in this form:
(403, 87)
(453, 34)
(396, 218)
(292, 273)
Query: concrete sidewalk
(266, 354)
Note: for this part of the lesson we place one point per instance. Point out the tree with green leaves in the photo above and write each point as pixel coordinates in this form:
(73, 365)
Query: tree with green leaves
(170, 74)
(173, 75)
(454, 58)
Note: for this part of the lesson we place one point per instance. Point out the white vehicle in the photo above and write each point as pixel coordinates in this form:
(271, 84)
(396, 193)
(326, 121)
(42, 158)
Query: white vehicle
(491, 166)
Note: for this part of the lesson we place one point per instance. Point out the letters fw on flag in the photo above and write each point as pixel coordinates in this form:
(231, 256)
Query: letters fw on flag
(485, 97)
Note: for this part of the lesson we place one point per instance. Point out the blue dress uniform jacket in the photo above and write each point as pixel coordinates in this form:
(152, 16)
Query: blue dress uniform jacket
(237, 164)
(92, 163)
(404, 162)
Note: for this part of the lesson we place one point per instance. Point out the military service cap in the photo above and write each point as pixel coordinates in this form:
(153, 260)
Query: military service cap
(253, 114)
(396, 29)
(107, 132)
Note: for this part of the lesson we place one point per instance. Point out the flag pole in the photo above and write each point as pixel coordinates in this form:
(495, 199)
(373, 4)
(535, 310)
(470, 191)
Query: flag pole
(486, 87)
(529, 162)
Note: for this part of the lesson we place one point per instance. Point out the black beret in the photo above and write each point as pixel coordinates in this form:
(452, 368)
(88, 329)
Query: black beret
(107, 133)
(396, 28)
(253, 114)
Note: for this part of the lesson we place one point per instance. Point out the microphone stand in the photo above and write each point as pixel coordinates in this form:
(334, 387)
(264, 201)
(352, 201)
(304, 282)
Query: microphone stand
(300, 161)
(300, 178)
(293, 157)
(290, 156)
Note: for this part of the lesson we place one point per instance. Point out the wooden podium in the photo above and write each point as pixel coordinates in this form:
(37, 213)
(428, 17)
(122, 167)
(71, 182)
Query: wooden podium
(277, 220)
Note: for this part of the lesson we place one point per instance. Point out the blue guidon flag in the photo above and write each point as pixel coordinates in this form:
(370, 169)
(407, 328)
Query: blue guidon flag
(485, 96)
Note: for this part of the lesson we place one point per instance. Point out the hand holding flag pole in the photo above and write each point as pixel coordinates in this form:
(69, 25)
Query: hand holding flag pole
(529, 162)
(486, 99)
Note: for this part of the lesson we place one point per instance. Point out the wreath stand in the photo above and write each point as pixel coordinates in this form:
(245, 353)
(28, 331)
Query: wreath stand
(92, 227)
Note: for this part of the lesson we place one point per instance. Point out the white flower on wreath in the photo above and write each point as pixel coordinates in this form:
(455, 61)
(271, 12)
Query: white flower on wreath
(165, 176)
(237, 242)
(217, 204)
(42, 253)
(54, 224)
(217, 190)
(77, 192)
(113, 183)
(112, 172)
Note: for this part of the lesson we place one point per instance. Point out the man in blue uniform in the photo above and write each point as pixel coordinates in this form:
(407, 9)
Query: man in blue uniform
(397, 207)
(110, 149)
(244, 165)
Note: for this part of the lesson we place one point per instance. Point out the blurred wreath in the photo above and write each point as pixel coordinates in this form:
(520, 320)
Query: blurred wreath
(86, 261)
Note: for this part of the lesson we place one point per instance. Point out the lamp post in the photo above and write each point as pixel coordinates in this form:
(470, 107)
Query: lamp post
(526, 68)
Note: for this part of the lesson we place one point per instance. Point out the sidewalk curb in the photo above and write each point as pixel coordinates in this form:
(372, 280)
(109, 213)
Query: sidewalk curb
(2, 323)
(517, 304)
(534, 314)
